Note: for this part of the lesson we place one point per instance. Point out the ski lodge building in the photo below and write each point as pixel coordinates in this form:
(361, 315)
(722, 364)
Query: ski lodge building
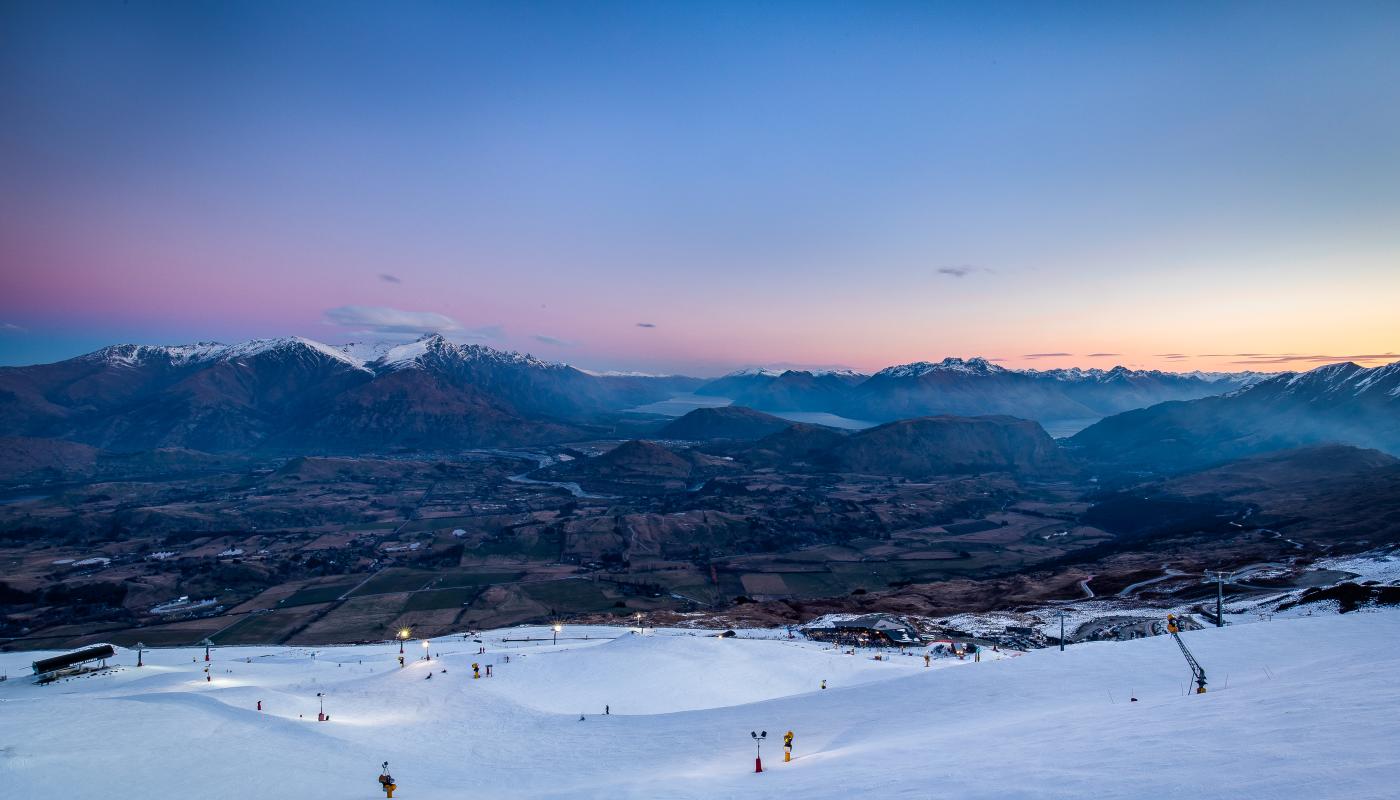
(871, 630)
(47, 669)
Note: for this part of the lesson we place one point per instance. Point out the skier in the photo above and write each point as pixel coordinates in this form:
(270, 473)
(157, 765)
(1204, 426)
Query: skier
(927, 659)
(823, 683)
(787, 746)
(607, 710)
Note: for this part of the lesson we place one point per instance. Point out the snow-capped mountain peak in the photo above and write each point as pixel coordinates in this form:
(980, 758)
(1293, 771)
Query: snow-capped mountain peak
(971, 366)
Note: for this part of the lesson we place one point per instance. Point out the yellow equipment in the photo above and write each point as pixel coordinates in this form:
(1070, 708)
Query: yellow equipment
(1197, 672)
(787, 746)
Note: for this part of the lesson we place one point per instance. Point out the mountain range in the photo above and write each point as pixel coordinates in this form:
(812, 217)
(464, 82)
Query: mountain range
(298, 395)
(969, 387)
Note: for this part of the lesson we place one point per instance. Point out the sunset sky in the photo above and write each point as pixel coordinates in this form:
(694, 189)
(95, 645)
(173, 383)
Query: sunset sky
(697, 187)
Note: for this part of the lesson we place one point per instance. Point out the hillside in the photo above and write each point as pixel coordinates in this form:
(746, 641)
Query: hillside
(1297, 708)
(725, 422)
(916, 448)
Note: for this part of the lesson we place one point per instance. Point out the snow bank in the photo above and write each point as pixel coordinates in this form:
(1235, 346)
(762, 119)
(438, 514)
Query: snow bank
(1298, 708)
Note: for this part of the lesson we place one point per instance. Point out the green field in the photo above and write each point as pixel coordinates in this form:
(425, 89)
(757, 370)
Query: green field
(395, 580)
(451, 579)
(572, 595)
(441, 598)
(320, 593)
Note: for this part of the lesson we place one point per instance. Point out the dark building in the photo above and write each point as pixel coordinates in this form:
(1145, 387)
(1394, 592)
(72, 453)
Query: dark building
(46, 669)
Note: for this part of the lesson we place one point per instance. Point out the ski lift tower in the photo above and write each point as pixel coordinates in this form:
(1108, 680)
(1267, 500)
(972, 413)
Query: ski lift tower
(1219, 598)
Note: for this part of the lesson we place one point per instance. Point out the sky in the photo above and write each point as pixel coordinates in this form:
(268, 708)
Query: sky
(694, 187)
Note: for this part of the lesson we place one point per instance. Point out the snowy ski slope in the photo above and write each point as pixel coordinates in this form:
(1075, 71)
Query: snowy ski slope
(1298, 708)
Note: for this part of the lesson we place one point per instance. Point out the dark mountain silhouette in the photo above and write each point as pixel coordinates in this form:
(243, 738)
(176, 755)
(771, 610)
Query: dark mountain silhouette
(730, 422)
(940, 445)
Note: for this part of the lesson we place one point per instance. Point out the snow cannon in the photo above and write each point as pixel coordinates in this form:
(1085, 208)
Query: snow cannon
(386, 781)
(476, 670)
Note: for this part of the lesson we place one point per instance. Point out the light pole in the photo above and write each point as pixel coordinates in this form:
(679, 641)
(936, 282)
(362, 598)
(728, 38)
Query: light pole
(403, 637)
(207, 643)
(1220, 598)
(139, 648)
(640, 629)
(426, 645)
(557, 627)
(1061, 614)
(758, 749)
(321, 715)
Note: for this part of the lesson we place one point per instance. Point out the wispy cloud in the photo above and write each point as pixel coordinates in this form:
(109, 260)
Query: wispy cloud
(385, 320)
(1046, 355)
(646, 324)
(962, 270)
(552, 341)
(10, 327)
(1104, 355)
(1171, 356)
(1246, 359)
(387, 278)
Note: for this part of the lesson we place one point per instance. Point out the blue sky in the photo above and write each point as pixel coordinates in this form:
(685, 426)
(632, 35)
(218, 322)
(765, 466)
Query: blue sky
(857, 184)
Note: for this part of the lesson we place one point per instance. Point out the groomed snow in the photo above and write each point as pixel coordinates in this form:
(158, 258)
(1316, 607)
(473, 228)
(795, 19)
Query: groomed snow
(1298, 708)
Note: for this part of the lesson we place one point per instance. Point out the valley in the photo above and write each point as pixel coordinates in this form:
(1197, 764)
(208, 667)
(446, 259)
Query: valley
(401, 511)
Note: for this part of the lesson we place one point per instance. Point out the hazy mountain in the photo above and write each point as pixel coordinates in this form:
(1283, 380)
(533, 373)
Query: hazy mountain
(976, 386)
(1343, 403)
(727, 422)
(786, 390)
(913, 448)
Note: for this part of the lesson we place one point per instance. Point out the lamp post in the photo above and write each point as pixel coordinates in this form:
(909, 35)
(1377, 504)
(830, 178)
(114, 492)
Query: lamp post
(758, 749)
(557, 627)
(640, 629)
(139, 648)
(403, 637)
(426, 645)
(321, 715)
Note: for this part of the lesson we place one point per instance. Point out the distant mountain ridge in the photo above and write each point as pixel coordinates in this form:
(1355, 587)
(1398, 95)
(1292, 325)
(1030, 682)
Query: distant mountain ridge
(969, 387)
(297, 394)
(1339, 403)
